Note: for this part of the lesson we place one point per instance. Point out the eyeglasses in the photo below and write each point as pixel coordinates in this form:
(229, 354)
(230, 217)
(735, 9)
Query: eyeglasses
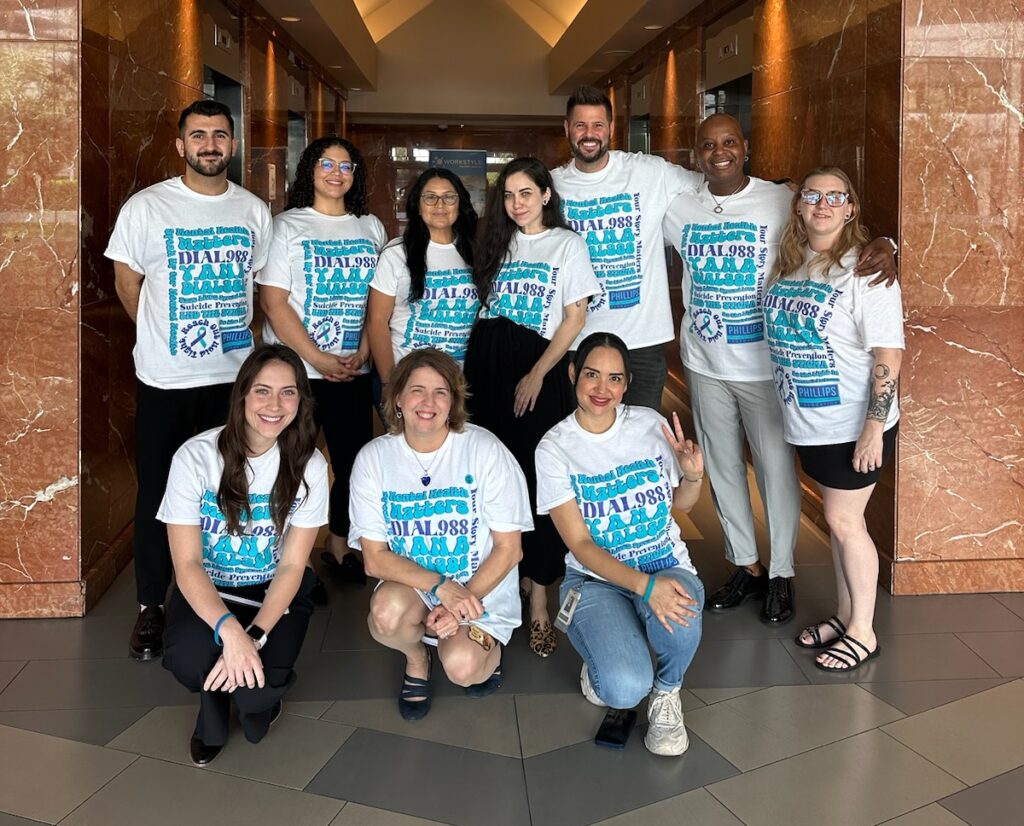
(833, 199)
(448, 198)
(328, 166)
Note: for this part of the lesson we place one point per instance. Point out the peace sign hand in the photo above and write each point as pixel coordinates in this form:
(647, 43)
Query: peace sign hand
(691, 460)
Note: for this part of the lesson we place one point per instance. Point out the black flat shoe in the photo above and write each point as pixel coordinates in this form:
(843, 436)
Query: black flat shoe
(275, 712)
(488, 686)
(741, 586)
(415, 695)
(350, 569)
(201, 754)
(319, 593)
(778, 602)
(147, 640)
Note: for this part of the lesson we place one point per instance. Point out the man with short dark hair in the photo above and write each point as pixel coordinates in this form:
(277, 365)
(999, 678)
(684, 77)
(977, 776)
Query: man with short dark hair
(185, 251)
(616, 201)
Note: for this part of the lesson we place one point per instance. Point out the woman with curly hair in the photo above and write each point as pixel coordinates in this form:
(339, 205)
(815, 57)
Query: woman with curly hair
(314, 291)
(535, 280)
(243, 505)
(422, 294)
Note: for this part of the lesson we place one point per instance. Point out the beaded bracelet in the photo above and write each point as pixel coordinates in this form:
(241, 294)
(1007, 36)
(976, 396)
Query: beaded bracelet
(216, 628)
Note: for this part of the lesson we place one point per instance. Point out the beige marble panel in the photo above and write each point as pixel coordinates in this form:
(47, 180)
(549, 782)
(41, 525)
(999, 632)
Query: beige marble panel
(39, 20)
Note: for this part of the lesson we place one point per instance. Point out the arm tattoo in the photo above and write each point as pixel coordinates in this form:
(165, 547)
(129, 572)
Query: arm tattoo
(882, 371)
(881, 398)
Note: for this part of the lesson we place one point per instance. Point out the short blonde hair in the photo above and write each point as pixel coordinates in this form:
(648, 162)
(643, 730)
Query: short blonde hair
(440, 363)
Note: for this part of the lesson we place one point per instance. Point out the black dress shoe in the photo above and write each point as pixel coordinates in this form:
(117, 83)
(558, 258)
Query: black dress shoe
(741, 585)
(350, 569)
(201, 754)
(319, 593)
(275, 712)
(778, 602)
(148, 634)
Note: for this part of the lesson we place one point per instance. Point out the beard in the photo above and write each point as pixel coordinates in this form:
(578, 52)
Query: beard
(209, 165)
(582, 155)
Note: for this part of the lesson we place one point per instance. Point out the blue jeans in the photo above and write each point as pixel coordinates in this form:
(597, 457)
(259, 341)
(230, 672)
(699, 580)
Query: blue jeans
(614, 631)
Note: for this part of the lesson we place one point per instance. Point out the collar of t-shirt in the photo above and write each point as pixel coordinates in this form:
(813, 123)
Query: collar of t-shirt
(620, 414)
(592, 177)
(179, 181)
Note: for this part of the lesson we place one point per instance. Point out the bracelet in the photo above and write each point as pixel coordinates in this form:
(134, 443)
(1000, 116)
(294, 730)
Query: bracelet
(440, 582)
(650, 588)
(216, 628)
(698, 479)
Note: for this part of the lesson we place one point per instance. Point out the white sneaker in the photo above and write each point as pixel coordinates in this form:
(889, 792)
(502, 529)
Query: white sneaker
(588, 689)
(666, 734)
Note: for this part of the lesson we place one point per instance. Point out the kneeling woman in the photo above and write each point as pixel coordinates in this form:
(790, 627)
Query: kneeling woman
(606, 475)
(438, 507)
(243, 505)
(837, 360)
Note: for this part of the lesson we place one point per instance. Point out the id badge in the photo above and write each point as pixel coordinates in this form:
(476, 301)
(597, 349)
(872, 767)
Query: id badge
(565, 613)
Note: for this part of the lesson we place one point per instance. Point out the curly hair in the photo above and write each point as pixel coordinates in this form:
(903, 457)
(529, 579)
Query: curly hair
(449, 370)
(499, 228)
(416, 237)
(794, 238)
(301, 193)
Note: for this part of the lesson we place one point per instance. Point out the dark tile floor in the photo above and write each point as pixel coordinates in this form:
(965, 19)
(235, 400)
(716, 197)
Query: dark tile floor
(930, 734)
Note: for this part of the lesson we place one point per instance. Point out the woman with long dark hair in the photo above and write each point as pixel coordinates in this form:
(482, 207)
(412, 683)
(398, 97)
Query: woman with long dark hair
(610, 475)
(314, 290)
(422, 294)
(438, 508)
(243, 505)
(534, 278)
(836, 345)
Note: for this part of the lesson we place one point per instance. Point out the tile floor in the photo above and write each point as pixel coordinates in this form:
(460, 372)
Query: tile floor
(930, 734)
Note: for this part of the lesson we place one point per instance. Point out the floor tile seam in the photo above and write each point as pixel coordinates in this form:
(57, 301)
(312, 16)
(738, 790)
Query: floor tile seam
(981, 782)
(101, 788)
(519, 738)
(929, 761)
(792, 657)
(90, 708)
(982, 656)
(1007, 607)
(894, 818)
(14, 676)
(721, 802)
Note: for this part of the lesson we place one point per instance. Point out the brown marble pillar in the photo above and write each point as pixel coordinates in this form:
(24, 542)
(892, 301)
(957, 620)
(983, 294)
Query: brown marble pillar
(40, 562)
(960, 488)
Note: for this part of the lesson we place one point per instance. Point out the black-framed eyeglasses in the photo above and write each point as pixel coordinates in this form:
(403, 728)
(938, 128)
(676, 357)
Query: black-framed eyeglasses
(328, 166)
(447, 198)
(833, 199)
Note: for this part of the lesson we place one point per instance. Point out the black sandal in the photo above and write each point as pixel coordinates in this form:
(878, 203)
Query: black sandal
(814, 632)
(488, 686)
(851, 658)
(415, 695)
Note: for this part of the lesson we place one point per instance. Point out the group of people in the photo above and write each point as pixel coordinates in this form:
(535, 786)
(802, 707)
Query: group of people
(518, 368)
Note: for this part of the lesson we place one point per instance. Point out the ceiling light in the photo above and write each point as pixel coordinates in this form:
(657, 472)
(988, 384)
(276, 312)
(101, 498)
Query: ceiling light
(291, 19)
(619, 51)
(649, 28)
(354, 89)
(336, 67)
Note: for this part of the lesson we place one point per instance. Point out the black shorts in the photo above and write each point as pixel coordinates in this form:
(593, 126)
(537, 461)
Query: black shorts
(832, 465)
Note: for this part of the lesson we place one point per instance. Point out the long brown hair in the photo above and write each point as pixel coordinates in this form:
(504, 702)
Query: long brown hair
(295, 444)
(449, 370)
(794, 238)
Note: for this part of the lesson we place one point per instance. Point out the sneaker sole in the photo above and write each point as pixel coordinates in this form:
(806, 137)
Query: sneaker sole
(652, 750)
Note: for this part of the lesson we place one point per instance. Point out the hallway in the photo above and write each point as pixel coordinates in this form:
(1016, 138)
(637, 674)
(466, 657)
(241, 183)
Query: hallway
(930, 734)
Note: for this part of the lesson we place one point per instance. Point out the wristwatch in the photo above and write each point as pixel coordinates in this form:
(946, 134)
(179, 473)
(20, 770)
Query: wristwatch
(258, 634)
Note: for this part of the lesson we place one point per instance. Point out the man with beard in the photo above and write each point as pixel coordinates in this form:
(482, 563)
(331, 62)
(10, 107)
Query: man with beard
(185, 252)
(728, 238)
(616, 201)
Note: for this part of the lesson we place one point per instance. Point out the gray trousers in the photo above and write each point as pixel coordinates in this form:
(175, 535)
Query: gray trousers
(723, 413)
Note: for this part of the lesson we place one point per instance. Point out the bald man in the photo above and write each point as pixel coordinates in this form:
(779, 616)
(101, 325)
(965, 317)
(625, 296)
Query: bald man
(727, 237)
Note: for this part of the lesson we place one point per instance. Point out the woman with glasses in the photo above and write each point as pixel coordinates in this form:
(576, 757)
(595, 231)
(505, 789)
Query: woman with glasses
(243, 505)
(535, 280)
(422, 294)
(314, 291)
(836, 344)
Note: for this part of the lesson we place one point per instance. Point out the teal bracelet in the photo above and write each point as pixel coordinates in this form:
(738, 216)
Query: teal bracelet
(440, 582)
(650, 588)
(216, 628)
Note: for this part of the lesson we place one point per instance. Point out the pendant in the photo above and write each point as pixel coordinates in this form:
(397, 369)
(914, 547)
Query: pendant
(425, 479)
(718, 210)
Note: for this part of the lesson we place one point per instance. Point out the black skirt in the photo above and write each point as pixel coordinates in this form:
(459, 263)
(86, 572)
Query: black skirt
(498, 355)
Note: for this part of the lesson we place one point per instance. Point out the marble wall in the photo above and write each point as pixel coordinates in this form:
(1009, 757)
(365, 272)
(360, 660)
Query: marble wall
(960, 481)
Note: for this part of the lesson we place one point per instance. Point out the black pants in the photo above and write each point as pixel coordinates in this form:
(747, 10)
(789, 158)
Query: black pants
(344, 409)
(650, 372)
(190, 653)
(164, 420)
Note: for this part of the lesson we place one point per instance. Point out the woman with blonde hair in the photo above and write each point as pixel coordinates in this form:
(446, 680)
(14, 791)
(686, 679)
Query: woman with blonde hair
(836, 344)
(438, 508)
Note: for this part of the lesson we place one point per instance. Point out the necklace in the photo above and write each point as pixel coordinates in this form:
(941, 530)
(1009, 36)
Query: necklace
(425, 478)
(722, 203)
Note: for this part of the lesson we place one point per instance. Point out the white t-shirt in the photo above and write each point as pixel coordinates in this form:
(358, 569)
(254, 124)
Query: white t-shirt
(618, 211)
(820, 331)
(726, 258)
(326, 263)
(444, 526)
(444, 317)
(191, 499)
(623, 481)
(544, 273)
(198, 254)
